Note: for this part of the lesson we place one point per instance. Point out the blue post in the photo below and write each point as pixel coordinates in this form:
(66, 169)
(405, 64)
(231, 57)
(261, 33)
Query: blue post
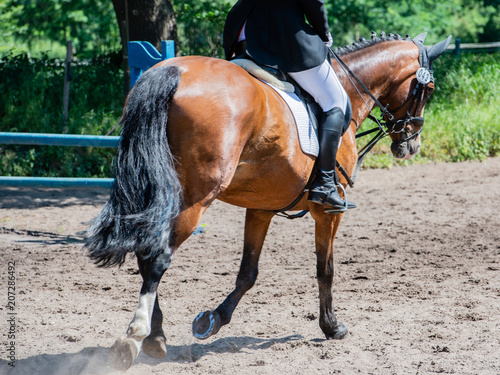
(167, 49)
(143, 55)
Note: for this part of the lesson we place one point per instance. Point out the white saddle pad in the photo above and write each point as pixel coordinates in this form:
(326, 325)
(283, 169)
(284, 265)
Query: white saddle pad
(307, 136)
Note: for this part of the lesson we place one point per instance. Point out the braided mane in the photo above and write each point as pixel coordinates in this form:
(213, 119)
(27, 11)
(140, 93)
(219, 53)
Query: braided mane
(364, 43)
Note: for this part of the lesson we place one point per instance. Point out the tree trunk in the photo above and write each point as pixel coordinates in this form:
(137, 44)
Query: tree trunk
(144, 20)
(148, 20)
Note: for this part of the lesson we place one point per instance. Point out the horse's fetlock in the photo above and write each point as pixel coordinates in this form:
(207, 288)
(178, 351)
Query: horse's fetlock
(246, 283)
(139, 330)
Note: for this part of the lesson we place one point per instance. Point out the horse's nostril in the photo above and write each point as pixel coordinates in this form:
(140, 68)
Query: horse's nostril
(414, 147)
(399, 150)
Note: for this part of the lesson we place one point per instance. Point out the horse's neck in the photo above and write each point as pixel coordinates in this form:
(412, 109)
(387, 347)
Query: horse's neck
(378, 67)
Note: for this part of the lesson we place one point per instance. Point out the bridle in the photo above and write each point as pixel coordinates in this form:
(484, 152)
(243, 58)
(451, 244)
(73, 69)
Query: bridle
(388, 124)
(424, 77)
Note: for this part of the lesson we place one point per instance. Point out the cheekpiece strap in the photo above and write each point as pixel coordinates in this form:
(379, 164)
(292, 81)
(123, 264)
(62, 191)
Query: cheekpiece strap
(424, 74)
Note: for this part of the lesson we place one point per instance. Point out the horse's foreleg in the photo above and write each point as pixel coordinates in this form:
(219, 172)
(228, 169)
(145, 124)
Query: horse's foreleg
(126, 349)
(257, 223)
(325, 234)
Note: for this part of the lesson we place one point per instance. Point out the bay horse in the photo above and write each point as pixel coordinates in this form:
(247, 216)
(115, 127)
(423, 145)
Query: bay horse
(196, 129)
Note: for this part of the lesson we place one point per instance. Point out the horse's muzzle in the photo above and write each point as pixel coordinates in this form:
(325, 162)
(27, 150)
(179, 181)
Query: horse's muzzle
(399, 150)
(405, 150)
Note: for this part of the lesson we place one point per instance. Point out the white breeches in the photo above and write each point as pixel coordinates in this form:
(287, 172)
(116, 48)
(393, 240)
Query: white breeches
(322, 83)
(242, 35)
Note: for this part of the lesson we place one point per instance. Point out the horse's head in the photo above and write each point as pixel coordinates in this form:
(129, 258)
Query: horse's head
(404, 116)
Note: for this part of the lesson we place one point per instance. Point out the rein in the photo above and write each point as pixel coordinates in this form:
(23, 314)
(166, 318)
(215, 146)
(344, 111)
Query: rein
(424, 77)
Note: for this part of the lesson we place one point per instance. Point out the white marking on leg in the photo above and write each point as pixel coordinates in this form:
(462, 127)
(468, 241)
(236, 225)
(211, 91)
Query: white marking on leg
(140, 326)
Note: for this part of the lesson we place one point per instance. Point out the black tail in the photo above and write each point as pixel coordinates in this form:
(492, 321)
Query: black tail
(146, 195)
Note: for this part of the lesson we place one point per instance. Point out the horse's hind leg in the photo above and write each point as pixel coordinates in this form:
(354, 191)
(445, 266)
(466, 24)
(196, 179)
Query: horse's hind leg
(125, 350)
(257, 223)
(155, 345)
(145, 331)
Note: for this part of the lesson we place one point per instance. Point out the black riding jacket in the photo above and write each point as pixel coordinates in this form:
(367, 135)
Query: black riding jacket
(277, 33)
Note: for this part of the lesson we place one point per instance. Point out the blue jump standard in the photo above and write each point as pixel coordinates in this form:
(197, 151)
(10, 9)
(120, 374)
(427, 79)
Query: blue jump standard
(58, 139)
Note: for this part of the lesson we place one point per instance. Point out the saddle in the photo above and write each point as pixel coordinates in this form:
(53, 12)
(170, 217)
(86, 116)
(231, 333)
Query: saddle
(286, 83)
(281, 81)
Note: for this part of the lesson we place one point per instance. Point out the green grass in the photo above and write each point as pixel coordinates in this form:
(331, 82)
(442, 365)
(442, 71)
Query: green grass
(462, 119)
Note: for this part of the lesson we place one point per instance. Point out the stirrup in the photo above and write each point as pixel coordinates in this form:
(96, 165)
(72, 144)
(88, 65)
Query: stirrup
(321, 198)
(336, 210)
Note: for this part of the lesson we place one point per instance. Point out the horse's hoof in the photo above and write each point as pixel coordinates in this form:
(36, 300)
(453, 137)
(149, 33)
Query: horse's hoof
(123, 353)
(339, 334)
(155, 347)
(206, 324)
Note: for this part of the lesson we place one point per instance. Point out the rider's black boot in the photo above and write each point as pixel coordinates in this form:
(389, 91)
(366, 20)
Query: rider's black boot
(324, 189)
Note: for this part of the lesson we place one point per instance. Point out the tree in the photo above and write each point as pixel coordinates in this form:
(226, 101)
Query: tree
(89, 23)
(465, 19)
(146, 20)
(201, 23)
(491, 32)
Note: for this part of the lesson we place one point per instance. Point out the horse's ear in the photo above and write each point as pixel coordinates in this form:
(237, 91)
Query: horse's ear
(437, 49)
(420, 38)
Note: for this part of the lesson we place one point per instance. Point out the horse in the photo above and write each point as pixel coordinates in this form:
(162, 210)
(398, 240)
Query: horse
(196, 129)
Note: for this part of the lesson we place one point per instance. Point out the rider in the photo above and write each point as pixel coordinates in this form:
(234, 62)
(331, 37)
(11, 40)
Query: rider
(277, 35)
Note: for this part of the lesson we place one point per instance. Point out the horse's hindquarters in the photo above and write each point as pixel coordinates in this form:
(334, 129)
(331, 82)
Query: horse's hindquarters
(234, 138)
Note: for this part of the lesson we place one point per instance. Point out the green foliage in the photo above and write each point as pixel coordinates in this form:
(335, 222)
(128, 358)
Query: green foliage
(90, 24)
(491, 32)
(31, 92)
(462, 119)
(200, 25)
(467, 106)
(464, 19)
(39, 25)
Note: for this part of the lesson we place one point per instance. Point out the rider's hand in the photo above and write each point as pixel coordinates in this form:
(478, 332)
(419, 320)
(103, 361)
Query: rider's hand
(330, 41)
